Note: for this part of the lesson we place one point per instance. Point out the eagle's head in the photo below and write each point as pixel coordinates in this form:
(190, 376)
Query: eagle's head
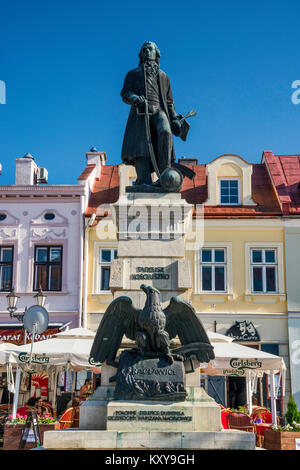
(152, 294)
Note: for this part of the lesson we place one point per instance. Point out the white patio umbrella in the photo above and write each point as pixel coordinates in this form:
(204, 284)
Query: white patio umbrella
(217, 337)
(69, 349)
(5, 349)
(233, 359)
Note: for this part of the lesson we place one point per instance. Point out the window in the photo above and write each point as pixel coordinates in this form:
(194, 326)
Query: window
(47, 268)
(49, 216)
(6, 267)
(106, 256)
(213, 270)
(264, 270)
(229, 191)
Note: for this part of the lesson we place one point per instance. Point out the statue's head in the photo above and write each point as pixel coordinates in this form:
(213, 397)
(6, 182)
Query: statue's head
(149, 51)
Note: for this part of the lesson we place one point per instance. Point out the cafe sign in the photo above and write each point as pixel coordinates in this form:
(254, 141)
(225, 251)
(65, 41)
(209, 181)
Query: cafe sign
(243, 331)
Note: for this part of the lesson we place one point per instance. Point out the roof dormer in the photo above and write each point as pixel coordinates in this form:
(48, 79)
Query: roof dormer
(229, 182)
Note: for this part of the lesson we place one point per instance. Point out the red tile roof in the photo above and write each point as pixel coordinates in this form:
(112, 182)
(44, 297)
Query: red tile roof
(87, 171)
(106, 191)
(285, 173)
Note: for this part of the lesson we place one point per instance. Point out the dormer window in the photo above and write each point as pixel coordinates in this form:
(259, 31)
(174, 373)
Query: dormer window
(229, 182)
(229, 191)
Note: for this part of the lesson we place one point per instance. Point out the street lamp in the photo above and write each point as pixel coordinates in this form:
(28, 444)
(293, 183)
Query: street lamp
(40, 298)
(12, 300)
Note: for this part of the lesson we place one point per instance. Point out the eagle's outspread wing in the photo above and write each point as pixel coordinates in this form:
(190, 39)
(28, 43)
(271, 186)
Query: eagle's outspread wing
(181, 320)
(120, 318)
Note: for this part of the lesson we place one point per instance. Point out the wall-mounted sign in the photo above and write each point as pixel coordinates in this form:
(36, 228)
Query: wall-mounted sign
(16, 335)
(150, 272)
(243, 331)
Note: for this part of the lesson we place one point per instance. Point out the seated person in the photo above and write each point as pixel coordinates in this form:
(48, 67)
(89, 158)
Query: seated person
(70, 418)
(86, 389)
(37, 405)
(48, 407)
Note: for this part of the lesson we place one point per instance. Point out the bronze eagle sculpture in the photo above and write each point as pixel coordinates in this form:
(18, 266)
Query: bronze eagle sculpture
(151, 328)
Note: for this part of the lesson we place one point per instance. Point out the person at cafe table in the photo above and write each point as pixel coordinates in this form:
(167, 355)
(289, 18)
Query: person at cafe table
(86, 389)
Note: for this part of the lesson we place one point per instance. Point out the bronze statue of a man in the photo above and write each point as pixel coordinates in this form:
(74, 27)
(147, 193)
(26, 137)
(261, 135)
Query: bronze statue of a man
(148, 84)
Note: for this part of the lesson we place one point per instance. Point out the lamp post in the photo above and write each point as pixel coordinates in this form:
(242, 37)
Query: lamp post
(12, 300)
(34, 322)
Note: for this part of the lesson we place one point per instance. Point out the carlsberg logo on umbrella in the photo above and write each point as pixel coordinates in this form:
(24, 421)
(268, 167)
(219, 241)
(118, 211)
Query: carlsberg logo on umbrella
(93, 363)
(24, 357)
(236, 363)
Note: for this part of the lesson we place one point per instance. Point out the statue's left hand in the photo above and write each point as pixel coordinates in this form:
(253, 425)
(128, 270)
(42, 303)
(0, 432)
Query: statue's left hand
(176, 126)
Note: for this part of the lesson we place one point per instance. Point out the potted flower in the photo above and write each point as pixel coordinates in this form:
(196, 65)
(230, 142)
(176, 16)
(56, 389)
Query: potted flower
(14, 427)
(285, 437)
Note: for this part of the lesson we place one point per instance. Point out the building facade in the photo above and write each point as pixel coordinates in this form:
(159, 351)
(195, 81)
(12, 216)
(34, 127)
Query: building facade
(284, 171)
(41, 246)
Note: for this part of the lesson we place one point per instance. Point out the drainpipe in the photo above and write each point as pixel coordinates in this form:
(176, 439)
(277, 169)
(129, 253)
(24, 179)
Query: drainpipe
(273, 397)
(86, 252)
(80, 293)
(16, 395)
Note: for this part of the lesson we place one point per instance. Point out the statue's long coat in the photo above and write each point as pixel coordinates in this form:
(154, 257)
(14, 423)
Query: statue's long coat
(135, 140)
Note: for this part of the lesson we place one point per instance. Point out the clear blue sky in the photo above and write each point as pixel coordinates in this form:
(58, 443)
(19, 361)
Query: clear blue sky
(64, 63)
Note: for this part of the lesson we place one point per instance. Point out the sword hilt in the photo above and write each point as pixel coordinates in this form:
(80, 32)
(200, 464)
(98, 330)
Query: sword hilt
(146, 113)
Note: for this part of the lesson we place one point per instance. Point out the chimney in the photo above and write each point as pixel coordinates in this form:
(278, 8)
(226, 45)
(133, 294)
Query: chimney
(188, 161)
(26, 170)
(97, 158)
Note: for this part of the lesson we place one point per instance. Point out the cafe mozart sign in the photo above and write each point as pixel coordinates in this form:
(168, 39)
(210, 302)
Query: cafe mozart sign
(243, 331)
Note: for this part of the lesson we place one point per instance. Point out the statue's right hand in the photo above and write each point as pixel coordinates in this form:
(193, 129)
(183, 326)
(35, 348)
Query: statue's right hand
(139, 100)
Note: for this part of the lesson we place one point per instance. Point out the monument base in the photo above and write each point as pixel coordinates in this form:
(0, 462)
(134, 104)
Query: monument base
(163, 416)
(77, 439)
(199, 412)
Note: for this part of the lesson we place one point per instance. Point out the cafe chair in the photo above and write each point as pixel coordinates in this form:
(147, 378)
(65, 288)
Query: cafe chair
(240, 421)
(262, 418)
(70, 418)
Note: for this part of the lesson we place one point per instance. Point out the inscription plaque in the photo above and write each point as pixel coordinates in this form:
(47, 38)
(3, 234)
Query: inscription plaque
(149, 379)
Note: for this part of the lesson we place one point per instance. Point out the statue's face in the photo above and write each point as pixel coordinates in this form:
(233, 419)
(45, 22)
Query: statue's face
(149, 52)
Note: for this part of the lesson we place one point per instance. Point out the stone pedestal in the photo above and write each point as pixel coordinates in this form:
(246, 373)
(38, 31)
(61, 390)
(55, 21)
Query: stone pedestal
(151, 231)
(163, 416)
(71, 439)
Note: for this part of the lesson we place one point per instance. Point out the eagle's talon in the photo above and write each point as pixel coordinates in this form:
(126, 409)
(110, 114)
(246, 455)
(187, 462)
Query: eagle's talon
(178, 357)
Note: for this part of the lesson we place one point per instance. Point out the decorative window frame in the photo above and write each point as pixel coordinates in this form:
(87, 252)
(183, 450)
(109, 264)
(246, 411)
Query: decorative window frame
(48, 264)
(245, 180)
(96, 265)
(228, 276)
(12, 246)
(48, 241)
(9, 236)
(278, 246)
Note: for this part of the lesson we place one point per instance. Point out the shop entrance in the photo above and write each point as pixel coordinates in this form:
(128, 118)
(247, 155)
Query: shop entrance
(236, 392)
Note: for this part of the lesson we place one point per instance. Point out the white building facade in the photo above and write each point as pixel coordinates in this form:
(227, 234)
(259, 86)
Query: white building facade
(41, 246)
